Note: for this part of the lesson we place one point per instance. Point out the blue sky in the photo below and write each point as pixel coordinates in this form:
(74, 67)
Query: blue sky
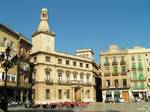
(83, 23)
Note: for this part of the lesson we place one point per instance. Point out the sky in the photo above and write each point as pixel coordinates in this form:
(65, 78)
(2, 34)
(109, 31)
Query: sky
(80, 24)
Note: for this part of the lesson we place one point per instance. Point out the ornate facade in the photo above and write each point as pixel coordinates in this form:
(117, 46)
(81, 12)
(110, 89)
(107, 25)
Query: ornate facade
(125, 73)
(60, 76)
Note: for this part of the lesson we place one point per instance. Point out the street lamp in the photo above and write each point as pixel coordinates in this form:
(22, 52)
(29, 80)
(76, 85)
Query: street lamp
(6, 63)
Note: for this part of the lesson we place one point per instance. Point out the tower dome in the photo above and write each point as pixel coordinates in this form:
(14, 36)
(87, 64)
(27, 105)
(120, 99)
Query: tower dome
(43, 25)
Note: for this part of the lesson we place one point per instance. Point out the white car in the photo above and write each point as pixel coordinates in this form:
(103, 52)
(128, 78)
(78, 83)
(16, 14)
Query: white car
(121, 100)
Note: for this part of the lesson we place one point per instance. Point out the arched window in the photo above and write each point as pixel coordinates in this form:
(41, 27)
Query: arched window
(47, 74)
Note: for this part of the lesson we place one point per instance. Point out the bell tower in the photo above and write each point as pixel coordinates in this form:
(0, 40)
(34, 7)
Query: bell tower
(43, 39)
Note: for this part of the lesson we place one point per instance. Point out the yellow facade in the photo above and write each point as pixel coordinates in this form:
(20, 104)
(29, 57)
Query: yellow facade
(60, 76)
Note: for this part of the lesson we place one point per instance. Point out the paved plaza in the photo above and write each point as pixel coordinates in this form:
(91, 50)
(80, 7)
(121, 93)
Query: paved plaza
(95, 107)
(117, 107)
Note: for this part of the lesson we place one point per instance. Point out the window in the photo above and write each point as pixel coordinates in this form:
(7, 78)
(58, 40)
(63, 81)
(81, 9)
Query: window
(47, 73)
(13, 79)
(123, 69)
(60, 94)
(148, 69)
(11, 44)
(140, 64)
(139, 57)
(87, 78)
(74, 63)
(68, 78)
(47, 59)
(47, 94)
(88, 93)
(67, 62)
(8, 78)
(134, 75)
(133, 65)
(108, 83)
(35, 59)
(87, 65)
(114, 59)
(106, 59)
(106, 68)
(5, 42)
(81, 64)
(68, 94)
(59, 61)
(116, 83)
(75, 77)
(142, 84)
(81, 77)
(124, 83)
(3, 76)
(115, 70)
(132, 58)
(59, 77)
(122, 58)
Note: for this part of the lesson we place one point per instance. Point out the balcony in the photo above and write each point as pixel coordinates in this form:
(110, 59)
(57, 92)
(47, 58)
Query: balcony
(138, 79)
(123, 73)
(87, 84)
(134, 67)
(64, 82)
(107, 74)
(49, 82)
(9, 84)
(106, 63)
(140, 67)
(138, 87)
(114, 63)
(122, 62)
(115, 74)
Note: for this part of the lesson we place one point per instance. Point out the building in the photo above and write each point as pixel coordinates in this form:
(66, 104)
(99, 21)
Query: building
(114, 74)
(60, 76)
(18, 76)
(139, 71)
(125, 73)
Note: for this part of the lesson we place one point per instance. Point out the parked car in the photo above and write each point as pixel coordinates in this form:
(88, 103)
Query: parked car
(138, 100)
(28, 104)
(12, 104)
(119, 100)
(109, 100)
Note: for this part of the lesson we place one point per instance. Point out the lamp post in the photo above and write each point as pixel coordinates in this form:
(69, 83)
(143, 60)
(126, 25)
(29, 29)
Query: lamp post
(7, 62)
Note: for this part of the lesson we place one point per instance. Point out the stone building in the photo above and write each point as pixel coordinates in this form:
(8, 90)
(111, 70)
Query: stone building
(114, 74)
(139, 71)
(60, 76)
(18, 84)
(125, 72)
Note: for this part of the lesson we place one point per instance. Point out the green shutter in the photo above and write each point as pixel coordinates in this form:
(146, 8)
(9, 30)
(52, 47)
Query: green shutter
(134, 75)
(123, 69)
(115, 70)
(135, 85)
(142, 84)
(141, 77)
(133, 66)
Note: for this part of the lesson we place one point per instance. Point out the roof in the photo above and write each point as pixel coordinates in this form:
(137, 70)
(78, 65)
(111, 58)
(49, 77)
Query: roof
(19, 35)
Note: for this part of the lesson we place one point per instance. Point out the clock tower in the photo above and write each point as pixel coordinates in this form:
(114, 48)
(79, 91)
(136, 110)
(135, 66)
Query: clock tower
(43, 39)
